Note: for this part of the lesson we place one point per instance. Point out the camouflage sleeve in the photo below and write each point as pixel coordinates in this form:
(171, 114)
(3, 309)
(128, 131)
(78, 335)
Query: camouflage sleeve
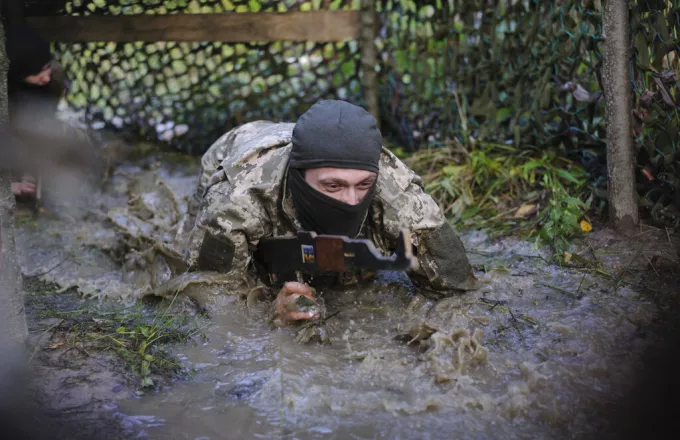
(442, 263)
(210, 164)
(227, 226)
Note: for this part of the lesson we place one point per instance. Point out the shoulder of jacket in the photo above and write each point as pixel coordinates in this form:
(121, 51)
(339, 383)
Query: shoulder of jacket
(395, 176)
(258, 155)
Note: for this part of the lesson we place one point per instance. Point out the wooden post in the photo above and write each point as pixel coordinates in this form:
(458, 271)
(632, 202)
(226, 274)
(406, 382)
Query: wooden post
(14, 329)
(368, 24)
(623, 206)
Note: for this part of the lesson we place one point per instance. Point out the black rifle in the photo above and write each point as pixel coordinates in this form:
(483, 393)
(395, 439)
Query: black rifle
(283, 257)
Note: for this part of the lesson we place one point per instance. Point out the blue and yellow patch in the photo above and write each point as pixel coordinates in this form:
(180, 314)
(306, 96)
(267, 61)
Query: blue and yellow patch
(307, 253)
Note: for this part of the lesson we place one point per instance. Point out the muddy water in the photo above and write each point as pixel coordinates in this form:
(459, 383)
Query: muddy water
(547, 379)
(538, 352)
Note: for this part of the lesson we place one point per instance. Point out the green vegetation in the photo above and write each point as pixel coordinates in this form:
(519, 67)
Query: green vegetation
(507, 190)
(138, 335)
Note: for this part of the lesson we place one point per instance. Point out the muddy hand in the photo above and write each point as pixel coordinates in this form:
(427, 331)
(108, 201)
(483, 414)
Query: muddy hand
(288, 302)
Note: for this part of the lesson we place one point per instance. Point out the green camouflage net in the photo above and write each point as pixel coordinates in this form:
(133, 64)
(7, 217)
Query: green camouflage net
(528, 74)
(188, 94)
(655, 31)
(519, 72)
(493, 70)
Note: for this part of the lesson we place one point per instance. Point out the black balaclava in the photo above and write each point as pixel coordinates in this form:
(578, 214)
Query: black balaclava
(27, 51)
(333, 134)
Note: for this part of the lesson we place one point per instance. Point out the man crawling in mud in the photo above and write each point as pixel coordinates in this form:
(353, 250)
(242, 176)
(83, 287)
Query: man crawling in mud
(327, 173)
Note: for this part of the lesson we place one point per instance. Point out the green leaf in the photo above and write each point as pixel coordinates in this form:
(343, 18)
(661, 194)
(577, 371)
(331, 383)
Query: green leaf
(446, 184)
(470, 212)
(531, 165)
(572, 201)
(642, 49)
(567, 176)
(452, 170)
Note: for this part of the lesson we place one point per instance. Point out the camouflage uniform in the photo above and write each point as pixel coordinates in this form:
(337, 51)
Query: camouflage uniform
(241, 198)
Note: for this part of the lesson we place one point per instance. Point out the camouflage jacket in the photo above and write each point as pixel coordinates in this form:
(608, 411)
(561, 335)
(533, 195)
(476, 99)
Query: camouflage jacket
(241, 198)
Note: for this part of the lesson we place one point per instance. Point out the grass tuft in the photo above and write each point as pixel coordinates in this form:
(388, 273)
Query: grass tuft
(138, 335)
(507, 190)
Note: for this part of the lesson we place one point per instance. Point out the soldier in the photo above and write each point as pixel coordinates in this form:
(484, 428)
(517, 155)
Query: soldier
(327, 173)
(35, 84)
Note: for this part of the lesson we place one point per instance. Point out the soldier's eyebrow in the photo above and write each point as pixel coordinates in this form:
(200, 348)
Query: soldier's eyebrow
(327, 180)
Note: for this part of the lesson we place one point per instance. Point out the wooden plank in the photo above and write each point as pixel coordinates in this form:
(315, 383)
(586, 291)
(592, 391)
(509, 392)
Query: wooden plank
(234, 27)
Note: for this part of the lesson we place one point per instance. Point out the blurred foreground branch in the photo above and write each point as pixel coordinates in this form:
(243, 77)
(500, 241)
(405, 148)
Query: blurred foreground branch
(15, 418)
(14, 327)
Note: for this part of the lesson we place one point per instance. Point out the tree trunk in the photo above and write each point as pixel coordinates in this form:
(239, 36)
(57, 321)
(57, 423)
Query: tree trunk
(623, 206)
(14, 329)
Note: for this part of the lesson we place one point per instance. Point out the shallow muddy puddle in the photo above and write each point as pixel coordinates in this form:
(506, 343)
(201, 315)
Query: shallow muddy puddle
(547, 371)
(537, 352)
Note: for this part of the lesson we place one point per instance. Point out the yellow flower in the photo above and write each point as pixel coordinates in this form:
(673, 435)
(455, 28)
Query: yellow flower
(585, 226)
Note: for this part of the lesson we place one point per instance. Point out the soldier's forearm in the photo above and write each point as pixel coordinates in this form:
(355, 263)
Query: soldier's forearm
(442, 262)
(205, 287)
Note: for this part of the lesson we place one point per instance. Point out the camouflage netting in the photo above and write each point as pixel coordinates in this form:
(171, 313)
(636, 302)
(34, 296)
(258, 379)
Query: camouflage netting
(520, 72)
(528, 73)
(188, 94)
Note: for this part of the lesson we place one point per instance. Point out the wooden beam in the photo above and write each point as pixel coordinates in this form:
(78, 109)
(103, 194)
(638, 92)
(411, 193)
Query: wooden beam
(231, 27)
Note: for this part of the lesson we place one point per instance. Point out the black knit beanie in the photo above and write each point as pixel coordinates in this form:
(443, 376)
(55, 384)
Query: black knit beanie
(336, 134)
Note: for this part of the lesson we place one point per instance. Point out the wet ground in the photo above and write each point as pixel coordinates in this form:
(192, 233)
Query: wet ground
(540, 351)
